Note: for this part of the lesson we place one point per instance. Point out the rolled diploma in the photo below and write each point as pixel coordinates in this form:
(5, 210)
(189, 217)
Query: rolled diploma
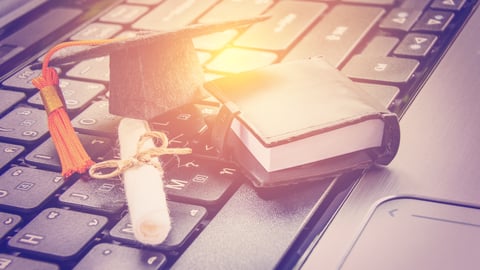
(143, 187)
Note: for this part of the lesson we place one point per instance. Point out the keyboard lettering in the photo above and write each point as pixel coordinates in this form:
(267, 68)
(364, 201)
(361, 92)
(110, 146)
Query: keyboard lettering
(10, 149)
(380, 67)
(128, 229)
(94, 222)
(17, 172)
(4, 263)
(283, 23)
(88, 121)
(179, 10)
(27, 123)
(24, 112)
(194, 212)
(30, 133)
(41, 156)
(338, 33)
(25, 186)
(2, 129)
(53, 215)
(200, 178)
(31, 239)
(152, 260)
(228, 171)
(3, 193)
(79, 195)
(97, 141)
(184, 116)
(176, 184)
(106, 187)
(8, 221)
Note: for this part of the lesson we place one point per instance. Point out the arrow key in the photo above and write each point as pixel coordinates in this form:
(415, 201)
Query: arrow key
(433, 21)
(401, 19)
(416, 45)
(448, 4)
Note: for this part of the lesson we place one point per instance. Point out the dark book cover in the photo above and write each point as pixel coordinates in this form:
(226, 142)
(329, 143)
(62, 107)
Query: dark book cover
(299, 121)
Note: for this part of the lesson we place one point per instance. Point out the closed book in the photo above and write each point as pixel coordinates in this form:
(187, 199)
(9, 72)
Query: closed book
(299, 121)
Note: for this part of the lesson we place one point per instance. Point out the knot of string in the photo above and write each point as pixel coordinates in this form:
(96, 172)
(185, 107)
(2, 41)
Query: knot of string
(142, 157)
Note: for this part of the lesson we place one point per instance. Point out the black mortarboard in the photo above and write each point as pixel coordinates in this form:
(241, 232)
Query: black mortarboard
(153, 72)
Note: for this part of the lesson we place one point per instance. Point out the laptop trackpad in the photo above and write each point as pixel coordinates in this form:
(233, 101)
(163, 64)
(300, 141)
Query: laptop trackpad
(417, 234)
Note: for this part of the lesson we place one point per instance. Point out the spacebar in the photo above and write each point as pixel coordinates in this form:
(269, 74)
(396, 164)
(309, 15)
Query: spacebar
(251, 232)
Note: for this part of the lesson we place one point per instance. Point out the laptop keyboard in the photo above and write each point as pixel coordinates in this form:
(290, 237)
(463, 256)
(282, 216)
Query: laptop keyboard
(388, 47)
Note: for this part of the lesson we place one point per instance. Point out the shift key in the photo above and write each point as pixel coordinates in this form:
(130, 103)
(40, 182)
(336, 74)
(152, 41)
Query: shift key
(337, 34)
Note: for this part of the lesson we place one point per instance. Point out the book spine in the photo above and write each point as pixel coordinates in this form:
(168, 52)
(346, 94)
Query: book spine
(390, 142)
(222, 125)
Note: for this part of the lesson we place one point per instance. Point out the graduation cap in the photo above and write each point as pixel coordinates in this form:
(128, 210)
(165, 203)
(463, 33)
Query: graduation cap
(150, 74)
(154, 72)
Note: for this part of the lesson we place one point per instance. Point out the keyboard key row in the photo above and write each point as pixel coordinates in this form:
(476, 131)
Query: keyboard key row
(336, 35)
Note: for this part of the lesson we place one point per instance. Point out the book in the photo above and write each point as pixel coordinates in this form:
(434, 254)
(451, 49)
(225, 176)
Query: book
(298, 121)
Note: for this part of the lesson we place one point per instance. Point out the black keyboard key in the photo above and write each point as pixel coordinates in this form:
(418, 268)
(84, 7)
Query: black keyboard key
(144, 2)
(97, 31)
(101, 195)
(434, 21)
(289, 20)
(10, 262)
(172, 14)
(180, 125)
(373, 2)
(124, 14)
(380, 68)
(7, 223)
(96, 69)
(8, 152)
(381, 45)
(200, 181)
(337, 34)
(110, 256)
(234, 60)
(184, 217)
(234, 10)
(77, 94)
(8, 99)
(400, 19)
(37, 30)
(45, 155)
(202, 146)
(97, 120)
(386, 94)
(22, 80)
(453, 5)
(26, 189)
(416, 45)
(58, 233)
(213, 42)
(24, 125)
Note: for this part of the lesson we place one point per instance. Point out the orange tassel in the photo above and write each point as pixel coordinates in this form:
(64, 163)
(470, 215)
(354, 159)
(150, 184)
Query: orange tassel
(73, 157)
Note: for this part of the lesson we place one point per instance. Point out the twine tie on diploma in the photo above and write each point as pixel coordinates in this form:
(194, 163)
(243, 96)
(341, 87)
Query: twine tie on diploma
(149, 156)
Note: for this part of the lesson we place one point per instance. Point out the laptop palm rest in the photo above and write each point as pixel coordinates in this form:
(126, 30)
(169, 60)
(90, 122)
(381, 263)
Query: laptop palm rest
(417, 234)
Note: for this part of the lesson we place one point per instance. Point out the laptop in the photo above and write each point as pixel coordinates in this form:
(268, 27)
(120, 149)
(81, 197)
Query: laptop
(418, 57)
